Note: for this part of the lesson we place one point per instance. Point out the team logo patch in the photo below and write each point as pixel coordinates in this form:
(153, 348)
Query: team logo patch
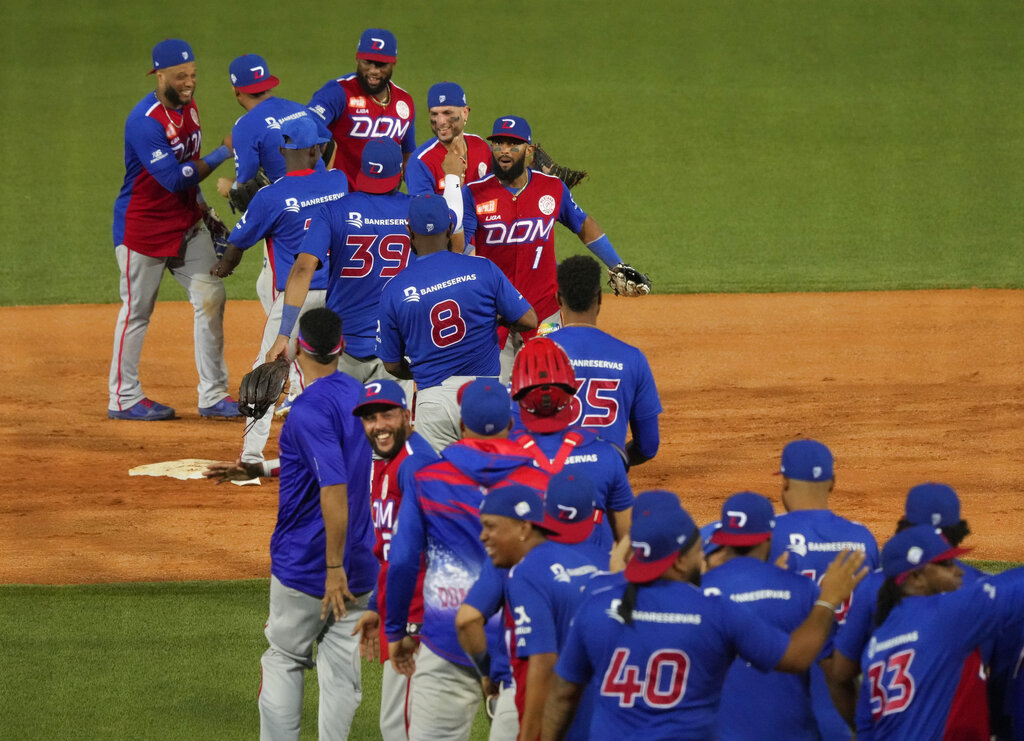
(355, 219)
(356, 102)
(376, 168)
(487, 207)
(292, 205)
(195, 116)
(188, 171)
(170, 131)
(402, 108)
(377, 44)
(272, 123)
(546, 204)
(157, 156)
(410, 295)
(305, 227)
(234, 78)
(914, 555)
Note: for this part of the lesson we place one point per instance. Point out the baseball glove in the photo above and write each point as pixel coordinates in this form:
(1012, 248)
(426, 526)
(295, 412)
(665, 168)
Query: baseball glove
(240, 196)
(542, 161)
(219, 231)
(261, 387)
(626, 280)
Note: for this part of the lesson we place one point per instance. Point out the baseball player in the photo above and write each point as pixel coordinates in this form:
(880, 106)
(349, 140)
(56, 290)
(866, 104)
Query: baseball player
(543, 385)
(449, 114)
(439, 517)
(617, 396)
(366, 105)
(159, 225)
(443, 312)
(931, 504)
(550, 566)
(362, 242)
(921, 664)
(655, 650)
(510, 215)
(387, 423)
(752, 701)
(321, 553)
(256, 138)
(280, 213)
(811, 534)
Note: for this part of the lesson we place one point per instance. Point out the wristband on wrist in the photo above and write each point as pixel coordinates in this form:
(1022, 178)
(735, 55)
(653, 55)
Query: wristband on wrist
(289, 315)
(482, 663)
(218, 155)
(823, 603)
(602, 248)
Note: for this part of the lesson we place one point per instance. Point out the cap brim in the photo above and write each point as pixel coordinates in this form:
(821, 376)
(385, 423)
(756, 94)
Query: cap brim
(721, 537)
(640, 572)
(508, 136)
(259, 87)
(557, 421)
(569, 532)
(366, 184)
(370, 56)
(944, 556)
(357, 410)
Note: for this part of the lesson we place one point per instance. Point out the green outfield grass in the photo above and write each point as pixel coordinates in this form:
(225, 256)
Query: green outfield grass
(732, 145)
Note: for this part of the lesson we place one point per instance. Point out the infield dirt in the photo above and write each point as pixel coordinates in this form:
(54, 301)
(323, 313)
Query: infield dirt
(905, 387)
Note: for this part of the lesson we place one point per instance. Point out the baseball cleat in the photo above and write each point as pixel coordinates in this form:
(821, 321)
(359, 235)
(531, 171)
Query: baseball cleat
(226, 407)
(282, 411)
(146, 410)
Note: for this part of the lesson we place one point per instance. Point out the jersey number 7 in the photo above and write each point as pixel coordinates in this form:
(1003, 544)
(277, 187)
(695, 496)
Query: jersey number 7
(662, 684)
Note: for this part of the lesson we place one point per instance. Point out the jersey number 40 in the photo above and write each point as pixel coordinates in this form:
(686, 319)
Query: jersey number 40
(661, 684)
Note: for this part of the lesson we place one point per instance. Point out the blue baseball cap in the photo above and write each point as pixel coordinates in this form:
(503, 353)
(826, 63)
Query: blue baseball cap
(486, 408)
(512, 127)
(516, 501)
(251, 74)
(706, 533)
(377, 45)
(933, 504)
(747, 519)
(913, 548)
(381, 171)
(569, 507)
(301, 133)
(171, 53)
(429, 215)
(661, 529)
(806, 460)
(446, 94)
(383, 393)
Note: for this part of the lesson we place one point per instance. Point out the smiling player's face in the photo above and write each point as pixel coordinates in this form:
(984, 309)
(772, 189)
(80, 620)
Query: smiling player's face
(387, 430)
(447, 122)
(374, 76)
(502, 538)
(177, 84)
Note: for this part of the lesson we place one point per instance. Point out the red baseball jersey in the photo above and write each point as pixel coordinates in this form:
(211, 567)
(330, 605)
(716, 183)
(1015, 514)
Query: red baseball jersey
(516, 231)
(354, 117)
(424, 173)
(158, 199)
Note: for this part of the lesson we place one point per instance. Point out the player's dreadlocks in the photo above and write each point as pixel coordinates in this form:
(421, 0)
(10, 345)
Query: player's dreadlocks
(955, 534)
(889, 595)
(320, 335)
(628, 602)
(579, 281)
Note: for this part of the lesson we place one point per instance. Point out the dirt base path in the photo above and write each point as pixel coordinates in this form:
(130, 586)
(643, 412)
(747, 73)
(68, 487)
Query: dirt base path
(904, 387)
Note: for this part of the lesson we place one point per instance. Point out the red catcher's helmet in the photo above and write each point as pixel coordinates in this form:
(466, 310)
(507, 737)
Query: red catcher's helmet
(542, 362)
(544, 384)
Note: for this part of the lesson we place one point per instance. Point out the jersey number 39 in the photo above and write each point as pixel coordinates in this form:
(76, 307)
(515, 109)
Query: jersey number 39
(661, 684)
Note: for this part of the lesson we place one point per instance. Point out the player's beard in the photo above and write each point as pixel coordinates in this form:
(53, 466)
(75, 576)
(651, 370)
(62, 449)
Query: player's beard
(365, 85)
(398, 438)
(173, 97)
(510, 175)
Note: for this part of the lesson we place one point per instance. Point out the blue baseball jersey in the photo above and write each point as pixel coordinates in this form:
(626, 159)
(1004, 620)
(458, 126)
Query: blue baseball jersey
(578, 450)
(440, 516)
(751, 700)
(323, 444)
(853, 634)
(618, 386)
(282, 212)
(442, 311)
(363, 241)
(662, 676)
(925, 652)
(158, 201)
(256, 137)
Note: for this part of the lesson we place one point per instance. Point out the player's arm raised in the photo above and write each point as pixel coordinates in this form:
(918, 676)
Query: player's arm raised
(843, 574)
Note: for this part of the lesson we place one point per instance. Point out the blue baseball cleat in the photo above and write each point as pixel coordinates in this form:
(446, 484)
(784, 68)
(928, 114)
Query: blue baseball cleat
(226, 407)
(146, 410)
